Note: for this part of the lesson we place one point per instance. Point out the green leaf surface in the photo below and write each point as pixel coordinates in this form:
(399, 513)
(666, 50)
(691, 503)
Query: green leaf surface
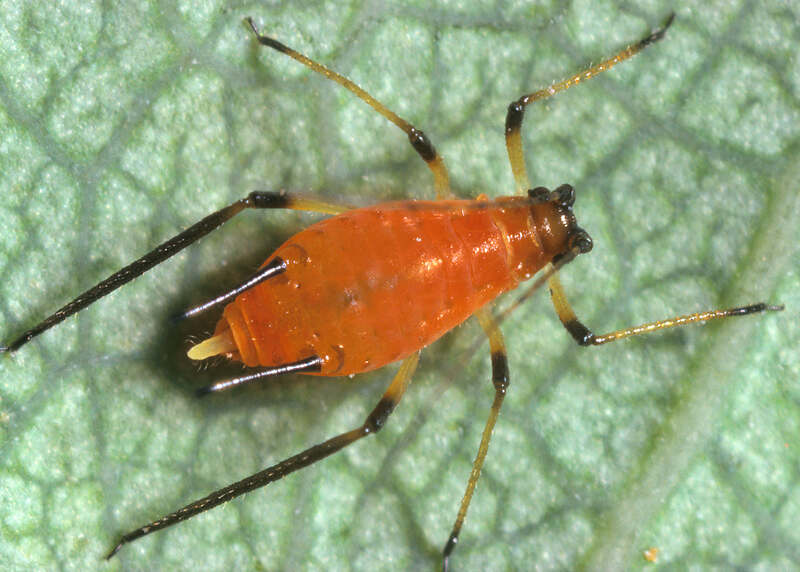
(120, 126)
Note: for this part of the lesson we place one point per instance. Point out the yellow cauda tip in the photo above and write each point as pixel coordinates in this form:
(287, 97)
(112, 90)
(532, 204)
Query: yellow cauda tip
(219, 344)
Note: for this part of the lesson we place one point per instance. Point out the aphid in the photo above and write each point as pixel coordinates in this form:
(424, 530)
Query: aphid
(331, 301)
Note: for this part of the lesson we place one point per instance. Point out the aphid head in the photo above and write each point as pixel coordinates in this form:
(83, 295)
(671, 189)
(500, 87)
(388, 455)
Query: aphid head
(555, 222)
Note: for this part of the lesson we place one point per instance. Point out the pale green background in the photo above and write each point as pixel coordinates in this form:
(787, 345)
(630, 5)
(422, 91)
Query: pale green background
(121, 126)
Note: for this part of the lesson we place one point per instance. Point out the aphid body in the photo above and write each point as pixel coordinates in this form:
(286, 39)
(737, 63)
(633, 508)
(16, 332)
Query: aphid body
(371, 286)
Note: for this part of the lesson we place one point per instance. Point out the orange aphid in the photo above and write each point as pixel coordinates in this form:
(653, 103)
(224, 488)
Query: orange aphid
(375, 285)
(372, 286)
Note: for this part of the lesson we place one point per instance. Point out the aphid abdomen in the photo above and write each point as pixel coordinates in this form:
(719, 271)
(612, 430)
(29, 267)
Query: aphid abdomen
(373, 285)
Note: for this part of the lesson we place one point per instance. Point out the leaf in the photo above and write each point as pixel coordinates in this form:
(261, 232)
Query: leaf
(121, 126)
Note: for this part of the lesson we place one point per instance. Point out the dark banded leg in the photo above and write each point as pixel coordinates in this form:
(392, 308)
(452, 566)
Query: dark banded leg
(419, 141)
(585, 337)
(500, 381)
(514, 117)
(255, 200)
(373, 423)
(516, 111)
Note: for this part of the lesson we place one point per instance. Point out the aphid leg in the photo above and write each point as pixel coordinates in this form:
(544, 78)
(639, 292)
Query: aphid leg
(373, 423)
(500, 381)
(585, 337)
(516, 111)
(255, 200)
(419, 141)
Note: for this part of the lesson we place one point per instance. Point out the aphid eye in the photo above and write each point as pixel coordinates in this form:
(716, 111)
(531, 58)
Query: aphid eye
(566, 196)
(581, 240)
(539, 194)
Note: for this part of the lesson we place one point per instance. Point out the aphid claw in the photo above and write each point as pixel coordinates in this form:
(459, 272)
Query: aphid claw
(658, 34)
(114, 550)
(205, 390)
(177, 318)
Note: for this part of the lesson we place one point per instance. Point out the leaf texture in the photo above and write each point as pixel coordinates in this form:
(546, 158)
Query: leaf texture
(120, 126)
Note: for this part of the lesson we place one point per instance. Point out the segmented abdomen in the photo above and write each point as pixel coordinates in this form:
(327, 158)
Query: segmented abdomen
(373, 285)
